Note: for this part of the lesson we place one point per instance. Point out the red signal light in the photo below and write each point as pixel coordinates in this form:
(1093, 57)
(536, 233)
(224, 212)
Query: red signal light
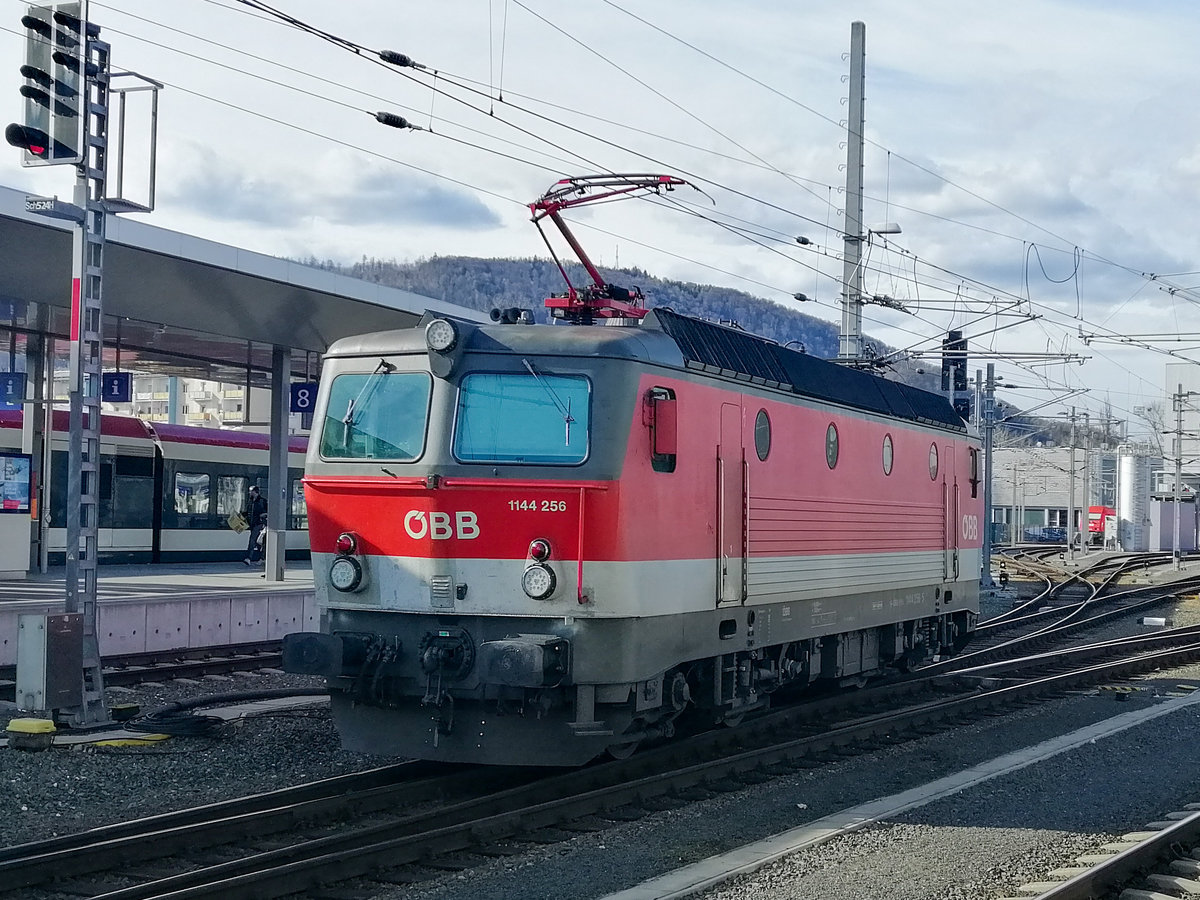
(32, 140)
(347, 543)
(539, 549)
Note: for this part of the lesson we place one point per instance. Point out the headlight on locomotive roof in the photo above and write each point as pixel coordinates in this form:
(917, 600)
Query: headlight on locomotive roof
(441, 335)
(539, 582)
(346, 574)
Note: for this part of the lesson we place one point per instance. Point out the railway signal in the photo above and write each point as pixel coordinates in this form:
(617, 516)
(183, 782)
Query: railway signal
(954, 372)
(54, 128)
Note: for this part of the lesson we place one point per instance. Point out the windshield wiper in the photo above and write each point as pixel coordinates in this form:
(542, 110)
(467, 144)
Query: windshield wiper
(563, 409)
(371, 383)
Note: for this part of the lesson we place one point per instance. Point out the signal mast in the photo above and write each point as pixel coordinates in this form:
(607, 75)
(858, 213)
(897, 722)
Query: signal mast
(598, 300)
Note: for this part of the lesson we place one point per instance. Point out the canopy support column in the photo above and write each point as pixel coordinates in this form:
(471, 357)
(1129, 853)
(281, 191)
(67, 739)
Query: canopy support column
(277, 473)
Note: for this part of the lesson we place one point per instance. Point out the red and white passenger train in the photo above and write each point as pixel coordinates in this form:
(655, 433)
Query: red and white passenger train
(533, 544)
(166, 491)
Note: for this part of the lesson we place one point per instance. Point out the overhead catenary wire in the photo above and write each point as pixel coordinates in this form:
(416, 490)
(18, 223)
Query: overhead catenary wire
(361, 49)
(916, 281)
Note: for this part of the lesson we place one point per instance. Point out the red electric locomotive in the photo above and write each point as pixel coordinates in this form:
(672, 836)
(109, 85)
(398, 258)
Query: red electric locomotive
(533, 544)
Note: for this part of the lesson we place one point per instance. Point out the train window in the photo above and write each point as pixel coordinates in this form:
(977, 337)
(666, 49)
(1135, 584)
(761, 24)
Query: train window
(831, 445)
(299, 509)
(974, 477)
(104, 500)
(762, 434)
(231, 494)
(377, 415)
(191, 493)
(887, 454)
(133, 501)
(933, 462)
(526, 418)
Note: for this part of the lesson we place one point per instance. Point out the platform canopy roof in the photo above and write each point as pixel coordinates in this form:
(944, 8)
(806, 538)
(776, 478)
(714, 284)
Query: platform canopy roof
(181, 305)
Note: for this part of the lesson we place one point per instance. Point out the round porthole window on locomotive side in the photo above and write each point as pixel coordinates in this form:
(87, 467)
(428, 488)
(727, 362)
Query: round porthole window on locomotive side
(831, 445)
(933, 462)
(887, 454)
(762, 434)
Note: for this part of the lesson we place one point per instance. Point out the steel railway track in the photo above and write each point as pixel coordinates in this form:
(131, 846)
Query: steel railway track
(382, 848)
(137, 668)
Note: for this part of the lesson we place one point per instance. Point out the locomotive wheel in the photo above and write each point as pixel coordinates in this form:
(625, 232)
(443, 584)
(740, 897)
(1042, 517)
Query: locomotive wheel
(622, 751)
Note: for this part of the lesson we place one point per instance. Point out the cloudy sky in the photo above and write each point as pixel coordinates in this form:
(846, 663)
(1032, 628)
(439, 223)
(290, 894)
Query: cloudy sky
(1041, 156)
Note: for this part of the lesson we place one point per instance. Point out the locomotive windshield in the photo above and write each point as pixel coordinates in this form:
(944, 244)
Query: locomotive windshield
(534, 418)
(378, 415)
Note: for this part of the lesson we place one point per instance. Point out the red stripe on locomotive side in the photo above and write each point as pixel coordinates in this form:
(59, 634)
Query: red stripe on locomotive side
(495, 520)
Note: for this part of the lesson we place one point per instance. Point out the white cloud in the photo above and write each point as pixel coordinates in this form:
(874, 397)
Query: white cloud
(1064, 114)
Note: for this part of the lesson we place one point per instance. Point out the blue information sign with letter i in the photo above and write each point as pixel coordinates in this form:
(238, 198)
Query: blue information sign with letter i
(116, 387)
(12, 390)
(304, 396)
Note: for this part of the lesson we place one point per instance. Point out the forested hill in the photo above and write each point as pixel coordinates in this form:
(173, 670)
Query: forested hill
(484, 284)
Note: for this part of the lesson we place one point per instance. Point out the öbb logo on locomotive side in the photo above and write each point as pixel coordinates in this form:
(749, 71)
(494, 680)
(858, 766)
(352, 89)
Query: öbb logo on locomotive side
(970, 528)
(439, 526)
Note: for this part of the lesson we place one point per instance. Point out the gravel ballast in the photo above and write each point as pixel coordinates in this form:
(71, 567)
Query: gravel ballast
(66, 789)
(972, 846)
(976, 845)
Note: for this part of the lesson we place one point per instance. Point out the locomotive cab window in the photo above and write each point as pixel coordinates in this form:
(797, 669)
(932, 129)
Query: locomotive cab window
(528, 418)
(377, 415)
(974, 479)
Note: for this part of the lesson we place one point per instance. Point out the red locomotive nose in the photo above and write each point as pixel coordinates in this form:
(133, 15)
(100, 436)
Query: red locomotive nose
(347, 543)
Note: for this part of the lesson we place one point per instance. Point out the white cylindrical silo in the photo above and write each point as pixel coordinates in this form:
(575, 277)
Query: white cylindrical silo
(1133, 499)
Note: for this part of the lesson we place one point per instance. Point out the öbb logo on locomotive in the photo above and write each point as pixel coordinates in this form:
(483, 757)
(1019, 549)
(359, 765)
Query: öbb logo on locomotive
(439, 526)
(611, 533)
(970, 528)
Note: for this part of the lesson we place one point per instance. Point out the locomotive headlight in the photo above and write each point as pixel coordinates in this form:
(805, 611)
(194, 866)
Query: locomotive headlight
(538, 582)
(539, 550)
(441, 335)
(346, 574)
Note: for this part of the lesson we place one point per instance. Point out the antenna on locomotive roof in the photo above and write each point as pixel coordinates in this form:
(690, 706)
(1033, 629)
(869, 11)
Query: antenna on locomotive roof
(598, 300)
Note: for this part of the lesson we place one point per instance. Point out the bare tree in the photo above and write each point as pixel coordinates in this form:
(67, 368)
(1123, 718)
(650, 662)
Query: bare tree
(1155, 418)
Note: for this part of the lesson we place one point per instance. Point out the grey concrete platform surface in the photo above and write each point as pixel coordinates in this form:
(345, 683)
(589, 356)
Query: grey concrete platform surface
(144, 609)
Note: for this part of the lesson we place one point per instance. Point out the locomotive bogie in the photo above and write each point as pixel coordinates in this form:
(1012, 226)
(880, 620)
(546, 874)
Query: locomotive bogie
(579, 536)
(569, 721)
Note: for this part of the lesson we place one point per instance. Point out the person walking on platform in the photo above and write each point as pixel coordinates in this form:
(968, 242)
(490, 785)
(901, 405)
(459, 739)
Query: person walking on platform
(256, 515)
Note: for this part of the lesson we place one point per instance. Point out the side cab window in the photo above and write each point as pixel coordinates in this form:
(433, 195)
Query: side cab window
(660, 415)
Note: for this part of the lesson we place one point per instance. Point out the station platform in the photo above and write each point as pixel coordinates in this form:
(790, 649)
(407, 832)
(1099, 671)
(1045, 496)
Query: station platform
(147, 609)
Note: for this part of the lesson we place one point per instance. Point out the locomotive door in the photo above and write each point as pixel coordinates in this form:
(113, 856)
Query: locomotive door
(731, 513)
(950, 520)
